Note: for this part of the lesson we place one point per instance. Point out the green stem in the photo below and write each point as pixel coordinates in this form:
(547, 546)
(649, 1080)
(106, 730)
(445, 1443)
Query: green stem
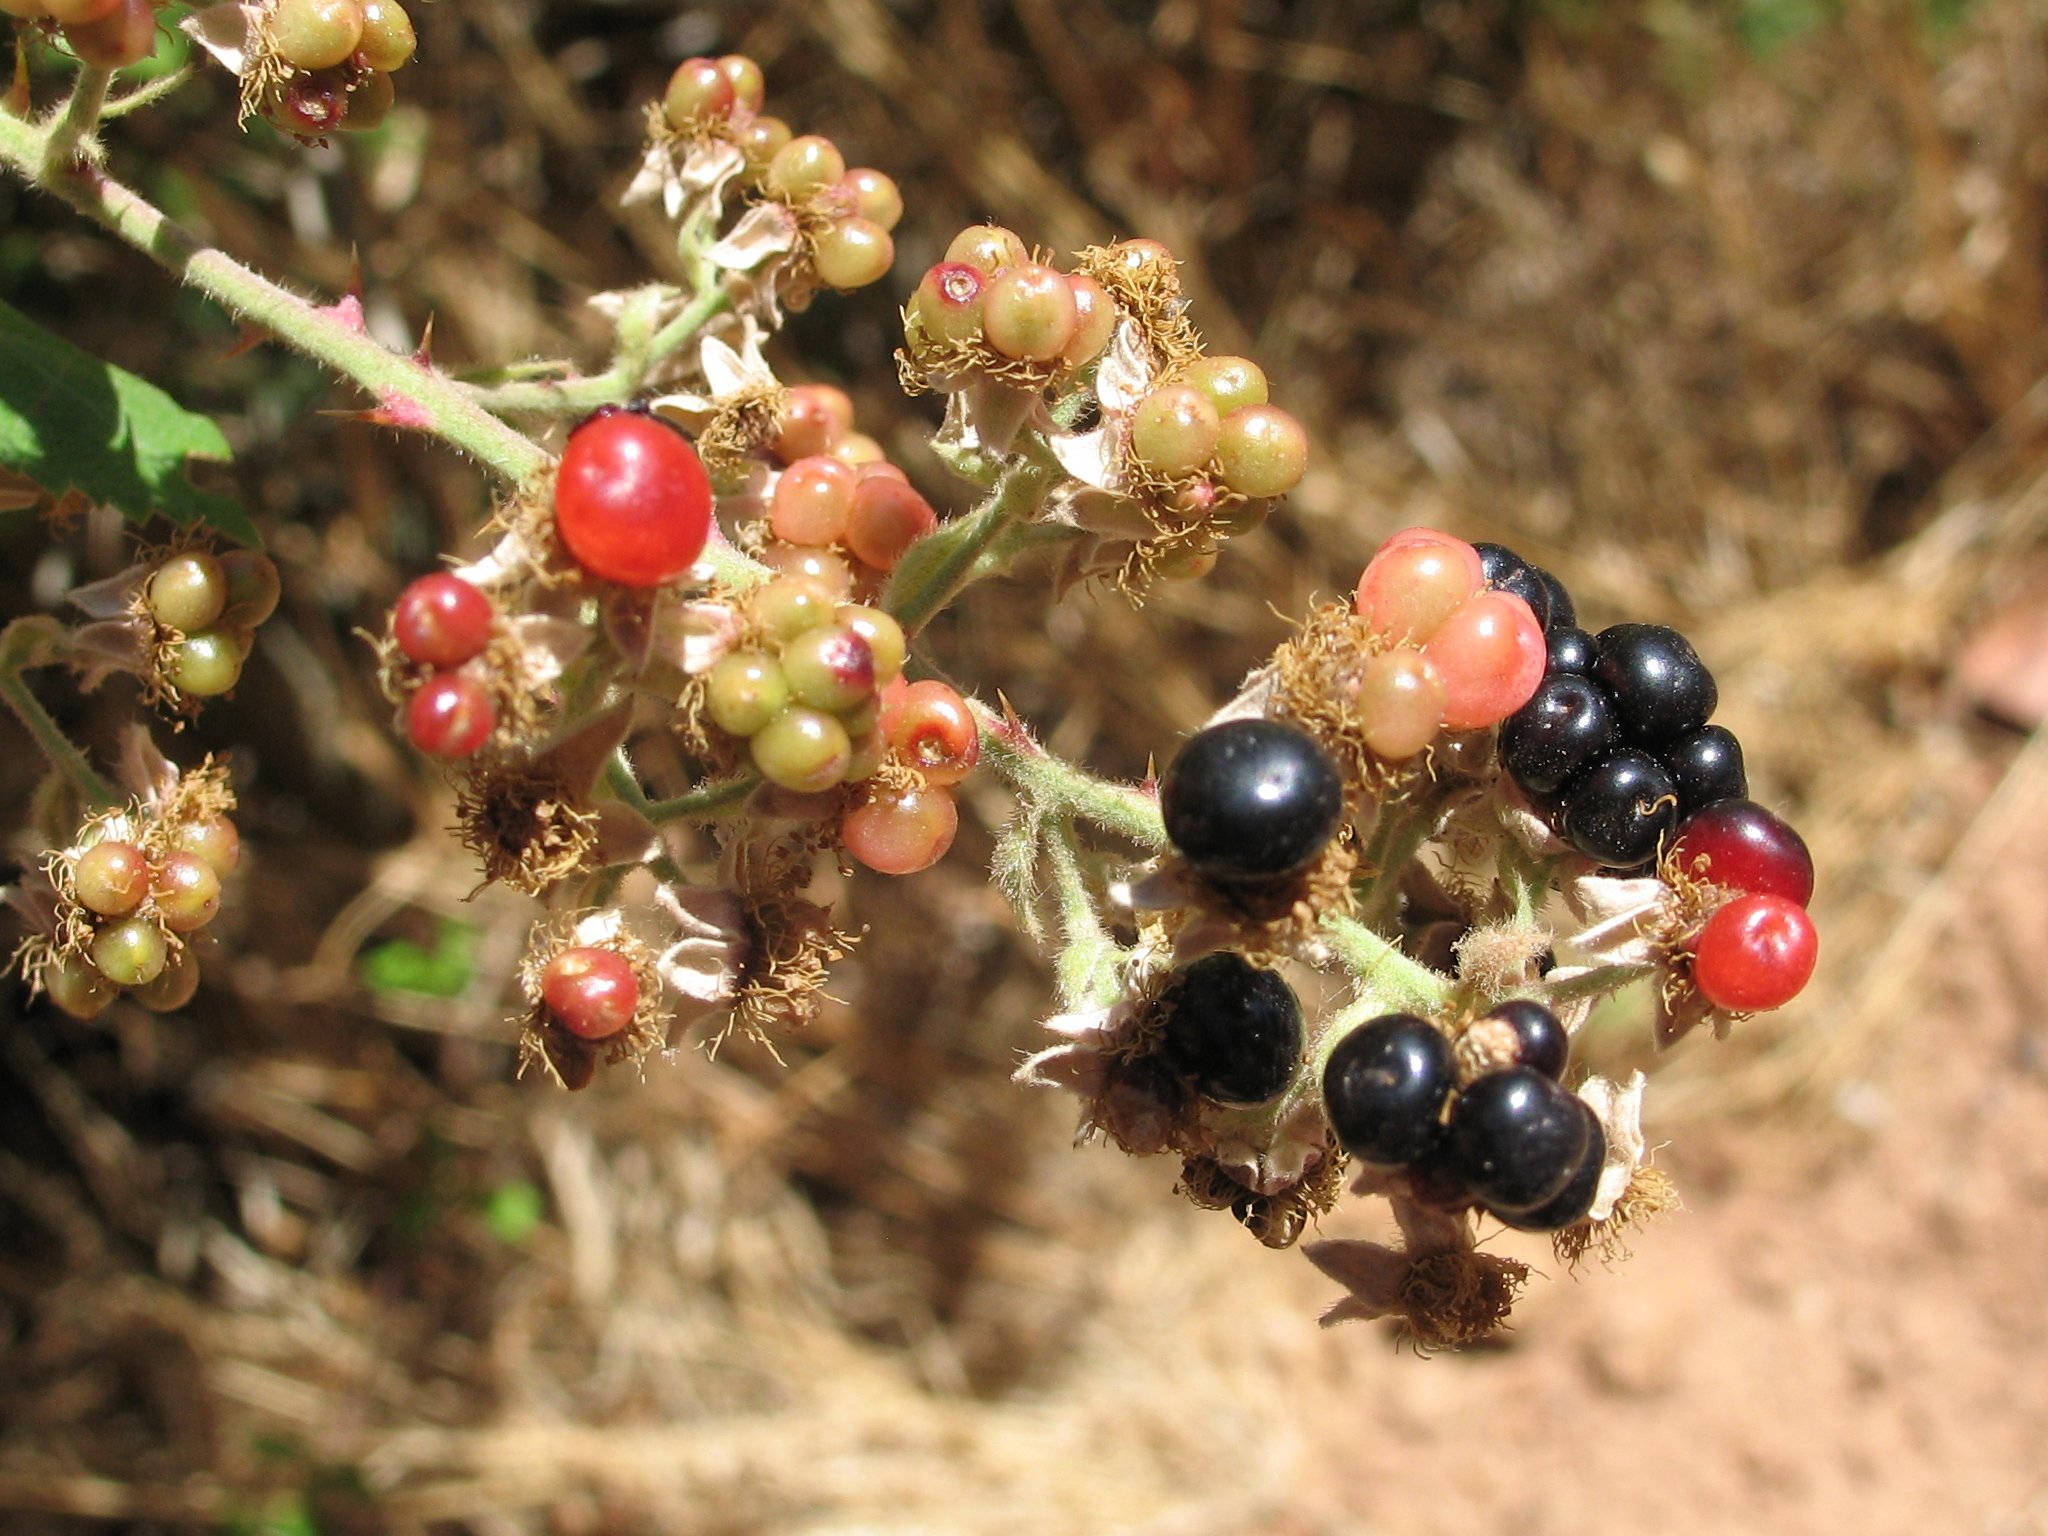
(143, 95)
(70, 132)
(1390, 979)
(1597, 982)
(624, 783)
(940, 567)
(1398, 833)
(408, 392)
(1059, 789)
(641, 348)
(37, 641)
(707, 802)
(1088, 967)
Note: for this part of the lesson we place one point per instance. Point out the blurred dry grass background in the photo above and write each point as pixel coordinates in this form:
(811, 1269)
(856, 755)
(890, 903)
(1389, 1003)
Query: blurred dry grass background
(1742, 332)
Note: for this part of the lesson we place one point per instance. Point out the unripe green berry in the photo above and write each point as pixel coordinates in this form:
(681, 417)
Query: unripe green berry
(1028, 313)
(824, 566)
(205, 665)
(388, 37)
(805, 750)
(175, 984)
(988, 248)
(830, 668)
(875, 195)
(369, 103)
(1261, 451)
(882, 633)
(1229, 382)
(698, 92)
(187, 592)
(1174, 430)
(803, 165)
(789, 605)
(749, 85)
(130, 953)
(75, 986)
(253, 587)
(111, 878)
(947, 303)
(744, 691)
(315, 34)
(215, 840)
(761, 141)
(187, 892)
(851, 253)
(1094, 321)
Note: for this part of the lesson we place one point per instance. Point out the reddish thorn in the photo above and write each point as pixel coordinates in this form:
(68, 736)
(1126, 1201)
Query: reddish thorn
(247, 339)
(348, 313)
(423, 354)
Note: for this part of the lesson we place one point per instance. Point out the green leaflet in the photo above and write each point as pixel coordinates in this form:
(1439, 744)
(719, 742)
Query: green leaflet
(68, 420)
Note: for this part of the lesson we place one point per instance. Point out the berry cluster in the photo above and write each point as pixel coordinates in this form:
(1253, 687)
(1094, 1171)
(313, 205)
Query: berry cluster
(845, 214)
(1207, 434)
(990, 308)
(1453, 649)
(844, 523)
(203, 610)
(326, 65)
(111, 34)
(134, 894)
(1506, 1136)
(443, 627)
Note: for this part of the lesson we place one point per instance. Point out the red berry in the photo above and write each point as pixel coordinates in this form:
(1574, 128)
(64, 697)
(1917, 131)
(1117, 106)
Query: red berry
(1491, 654)
(451, 716)
(1739, 844)
(900, 832)
(888, 517)
(931, 725)
(812, 501)
(442, 621)
(632, 500)
(1757, 952)
(591, 992)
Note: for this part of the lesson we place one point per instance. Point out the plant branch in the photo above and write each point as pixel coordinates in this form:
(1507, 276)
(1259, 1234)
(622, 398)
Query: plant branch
(37, 641)
(641, 347)
(408, 392)
(67, 139)
(1391, 979)
(1089, 962)
(939, 567)
(1059, 789)
(707, 802)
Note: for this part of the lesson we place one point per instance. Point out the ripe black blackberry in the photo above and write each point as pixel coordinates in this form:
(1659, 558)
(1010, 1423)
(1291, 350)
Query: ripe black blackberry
(1384, 1089)
(1567, 725)
(1706, 765)
(1231, 1029)
(1506, 571)
(1251, 800)
(1516, 1138)
(1619, 810)
(1661, 688)
(1571, 1203)
(1541, 1040)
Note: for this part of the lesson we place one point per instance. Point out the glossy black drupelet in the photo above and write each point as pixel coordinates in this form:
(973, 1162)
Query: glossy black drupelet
(1661, 688)
(1567, 725)
(1706, 765)
(1542, 1042)
(1516, 1138)
(1570, 1204)
(1621, 808)
(1506, 571)
(1571, 650)
(1384, 1089)
(1251, 800)
(1231, 1029)
(1564, 613)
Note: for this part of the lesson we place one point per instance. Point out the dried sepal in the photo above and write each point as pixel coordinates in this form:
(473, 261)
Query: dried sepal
(1445, 1292)
(738, 410)
(792, 942)
(1266, 920)
(534, 823)
(568, 1059)
(688, 171)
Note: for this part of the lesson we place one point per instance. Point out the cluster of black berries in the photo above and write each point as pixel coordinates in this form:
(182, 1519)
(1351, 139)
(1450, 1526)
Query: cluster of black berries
(1616, 740)
(1513, 1139)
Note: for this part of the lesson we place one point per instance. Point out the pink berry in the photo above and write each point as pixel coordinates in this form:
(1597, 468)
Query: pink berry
(1491, 654)
(931, 725)
(812, 501)
(814, 418)
(1406, 593)
(888, 517)
(903, 831)
(1400, 702)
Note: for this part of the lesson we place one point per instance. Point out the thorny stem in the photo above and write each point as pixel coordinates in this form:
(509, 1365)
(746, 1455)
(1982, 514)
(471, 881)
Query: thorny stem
(38, 642)
(409, 393)
(941, 566)
(641, 348)
(1059, 789)
(1389, 978)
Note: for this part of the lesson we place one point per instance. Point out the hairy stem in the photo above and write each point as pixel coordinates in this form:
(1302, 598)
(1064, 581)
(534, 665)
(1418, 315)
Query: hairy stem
(408, 392)
(1390, 979)
(1058, 788)
(37, 641)
(639, 351)
(1088, 964)
(707, 802)
(70, 133)
(941, 566)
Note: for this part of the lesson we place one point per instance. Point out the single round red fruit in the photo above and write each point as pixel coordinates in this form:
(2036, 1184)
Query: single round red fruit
(591, 992)
(632, 500)
(932, 727)
(1757, 952)
(899, 832)
(451, 716)
(1740, 845)
(442, 621)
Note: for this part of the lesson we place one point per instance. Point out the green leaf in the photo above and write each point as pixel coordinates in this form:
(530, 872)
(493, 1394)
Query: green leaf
(69, 421)
(443, 971)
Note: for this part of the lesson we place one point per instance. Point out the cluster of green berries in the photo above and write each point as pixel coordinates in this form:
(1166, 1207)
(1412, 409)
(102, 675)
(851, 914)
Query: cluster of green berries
(443, 626)
(1208, 433)
(204, 610)
(847, 213)
(1450, 651)
(139, 895)
(331, 63)
(989, 304)
(111, 34)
